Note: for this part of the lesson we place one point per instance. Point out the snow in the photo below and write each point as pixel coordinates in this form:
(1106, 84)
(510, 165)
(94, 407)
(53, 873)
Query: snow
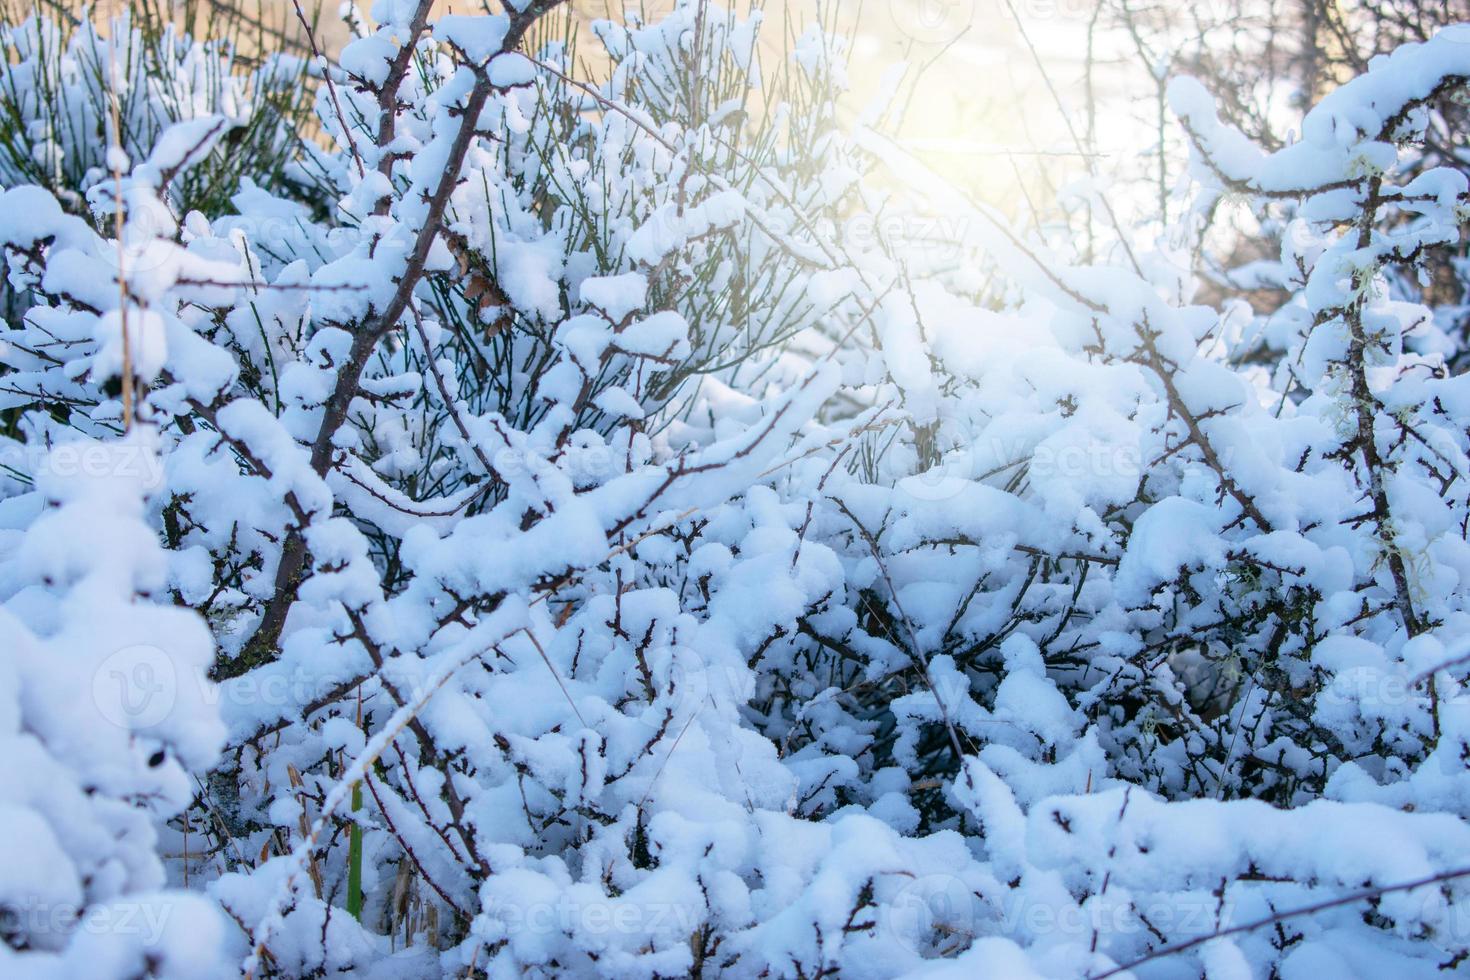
(633, 572)
(616, 296)
(479, 37)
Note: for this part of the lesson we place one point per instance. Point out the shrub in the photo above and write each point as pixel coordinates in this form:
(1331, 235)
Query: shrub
(623, 556)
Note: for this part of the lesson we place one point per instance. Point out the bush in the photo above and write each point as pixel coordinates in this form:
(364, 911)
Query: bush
(622, 555)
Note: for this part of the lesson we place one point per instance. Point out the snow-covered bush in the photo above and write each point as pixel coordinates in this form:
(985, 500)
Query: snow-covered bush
(611, 554)
(103, 716)
(68, 91)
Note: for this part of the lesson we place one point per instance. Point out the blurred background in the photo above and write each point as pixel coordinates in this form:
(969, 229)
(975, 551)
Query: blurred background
(1042, 109)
